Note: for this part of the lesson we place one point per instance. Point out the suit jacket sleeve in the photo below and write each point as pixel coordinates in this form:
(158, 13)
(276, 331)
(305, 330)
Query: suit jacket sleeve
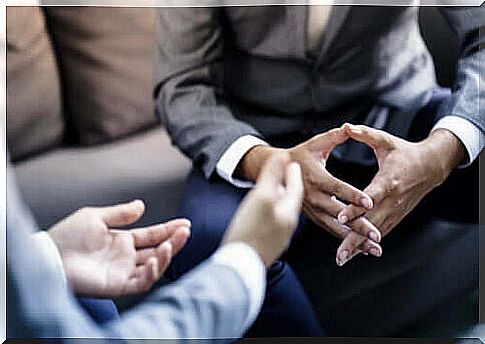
(189, 97)
(209, 302)
(468, 98)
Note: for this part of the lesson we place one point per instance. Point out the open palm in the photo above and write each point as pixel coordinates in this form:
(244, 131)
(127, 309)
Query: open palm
(101, 261)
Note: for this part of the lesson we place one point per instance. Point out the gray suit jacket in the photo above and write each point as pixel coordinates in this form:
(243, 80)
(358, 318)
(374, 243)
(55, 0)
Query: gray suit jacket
(209, 302)
(229, 71)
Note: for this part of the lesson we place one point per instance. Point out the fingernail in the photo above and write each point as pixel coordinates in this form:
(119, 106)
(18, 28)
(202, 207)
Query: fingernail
(138, 202)
(342, 219)
(343, 257)
(186, 230)
(375, 252)
(366, 203)
(374, 236)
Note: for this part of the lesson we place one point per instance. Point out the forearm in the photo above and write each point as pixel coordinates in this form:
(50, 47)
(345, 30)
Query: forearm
(188, 97)
(202, 126)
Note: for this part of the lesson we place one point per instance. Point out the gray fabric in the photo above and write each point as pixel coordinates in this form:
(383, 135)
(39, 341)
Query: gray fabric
(226, 72)
(145, 166)
(209, 302)
(468, 99)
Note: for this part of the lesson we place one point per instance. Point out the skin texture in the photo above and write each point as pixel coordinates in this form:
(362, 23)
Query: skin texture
(407, 172)
(324, 194)
(268, 215)
(100, 261)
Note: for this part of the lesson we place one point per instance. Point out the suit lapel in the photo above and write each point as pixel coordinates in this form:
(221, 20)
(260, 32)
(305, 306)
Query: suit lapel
(337, 18)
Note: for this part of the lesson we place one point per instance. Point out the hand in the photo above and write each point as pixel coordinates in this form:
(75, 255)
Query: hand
(100, 261)
(268, 215)
(407, 172)
(319, 204)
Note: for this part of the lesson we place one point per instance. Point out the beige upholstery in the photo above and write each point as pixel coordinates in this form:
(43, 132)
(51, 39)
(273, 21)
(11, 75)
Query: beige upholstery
(106, 58)
(33, 88)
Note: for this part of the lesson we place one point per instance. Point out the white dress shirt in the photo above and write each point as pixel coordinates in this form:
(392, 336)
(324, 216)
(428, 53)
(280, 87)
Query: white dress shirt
(468, 133)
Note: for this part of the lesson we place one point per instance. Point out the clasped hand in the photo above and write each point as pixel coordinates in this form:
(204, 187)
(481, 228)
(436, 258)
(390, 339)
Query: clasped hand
(407, 172)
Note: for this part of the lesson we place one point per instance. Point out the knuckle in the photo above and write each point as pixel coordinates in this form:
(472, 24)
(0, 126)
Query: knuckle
(312, 199)
(352, 212)
(336, 189)
(152, 238)
(400, 202)
(359, 226)
(311, 180)
(393, 186)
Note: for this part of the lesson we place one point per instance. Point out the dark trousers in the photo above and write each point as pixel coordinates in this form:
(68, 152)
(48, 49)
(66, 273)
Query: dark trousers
(426, 262)
(100, 310)
(210, 206)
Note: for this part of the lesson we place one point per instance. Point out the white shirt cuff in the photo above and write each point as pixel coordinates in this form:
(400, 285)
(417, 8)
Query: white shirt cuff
(232, 156)
(49, 250)
(243, 259)
(468, 133)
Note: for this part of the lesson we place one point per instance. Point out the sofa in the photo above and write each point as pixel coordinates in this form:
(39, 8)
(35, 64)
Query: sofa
(81, 123)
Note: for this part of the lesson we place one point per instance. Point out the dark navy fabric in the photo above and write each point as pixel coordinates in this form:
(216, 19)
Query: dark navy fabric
(100, 310)
(366, 297)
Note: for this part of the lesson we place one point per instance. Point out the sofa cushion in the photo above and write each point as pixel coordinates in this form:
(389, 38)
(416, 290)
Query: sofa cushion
(144, 166)
(106, 58)
(34, 114)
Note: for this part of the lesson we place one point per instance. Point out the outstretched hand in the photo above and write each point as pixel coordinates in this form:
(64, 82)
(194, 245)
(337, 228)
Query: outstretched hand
(325, 194)
(101, 261)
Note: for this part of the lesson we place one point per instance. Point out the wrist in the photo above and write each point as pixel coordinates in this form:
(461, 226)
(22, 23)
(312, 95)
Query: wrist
(445, 152)
(250, 165)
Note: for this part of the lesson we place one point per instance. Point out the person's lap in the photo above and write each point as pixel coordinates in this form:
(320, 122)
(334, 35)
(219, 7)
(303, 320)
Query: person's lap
(210, 205)
(425, 263)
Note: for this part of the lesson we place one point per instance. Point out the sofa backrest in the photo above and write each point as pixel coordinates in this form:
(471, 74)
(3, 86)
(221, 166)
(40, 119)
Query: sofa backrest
(82, 75)
(106, 58)
(34, 107)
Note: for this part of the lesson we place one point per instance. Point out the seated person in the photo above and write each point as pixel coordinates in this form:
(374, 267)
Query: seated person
(237, 84)
(218, 299)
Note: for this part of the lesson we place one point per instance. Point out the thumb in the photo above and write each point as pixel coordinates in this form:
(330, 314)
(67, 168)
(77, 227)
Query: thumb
(293, 196)
(122, 214)
(374, 138)
(327, 141)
